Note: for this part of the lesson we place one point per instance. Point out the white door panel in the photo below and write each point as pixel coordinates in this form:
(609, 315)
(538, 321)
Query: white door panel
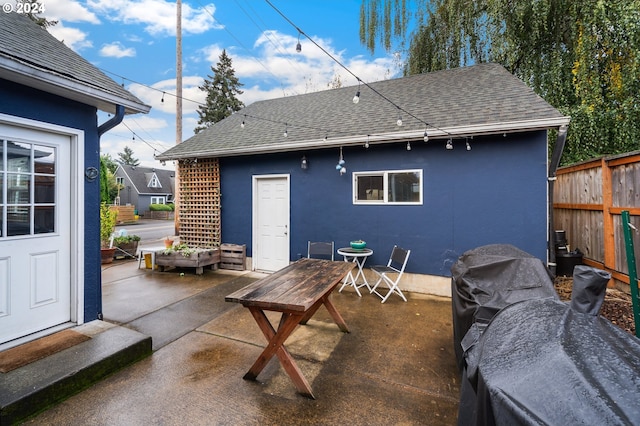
(35, 233)
(271, 223)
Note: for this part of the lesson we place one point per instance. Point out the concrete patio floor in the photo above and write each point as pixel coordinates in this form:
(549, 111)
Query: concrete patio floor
(396, 366)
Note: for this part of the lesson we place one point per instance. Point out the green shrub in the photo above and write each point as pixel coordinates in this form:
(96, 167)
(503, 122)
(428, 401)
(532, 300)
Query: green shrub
(160, 208)
(126, 239)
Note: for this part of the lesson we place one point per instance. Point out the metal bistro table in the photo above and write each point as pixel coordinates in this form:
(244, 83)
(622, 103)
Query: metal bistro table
(297, 291)
(357, 256)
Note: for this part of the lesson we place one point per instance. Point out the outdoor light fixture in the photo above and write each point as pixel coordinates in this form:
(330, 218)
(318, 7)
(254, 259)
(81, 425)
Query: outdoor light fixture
(356, 98)
(408, 146)
(426, 137)
(341, 164)
(304, 164)
(298, 46)
(468, 147)
(449, 144)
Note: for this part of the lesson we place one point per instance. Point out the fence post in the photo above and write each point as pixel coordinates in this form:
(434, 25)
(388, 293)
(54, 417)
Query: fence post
(631, 262)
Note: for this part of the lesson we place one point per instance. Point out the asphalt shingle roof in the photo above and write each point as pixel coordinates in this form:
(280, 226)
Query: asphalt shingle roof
(480, 99)
(141, 176)
(24, 42)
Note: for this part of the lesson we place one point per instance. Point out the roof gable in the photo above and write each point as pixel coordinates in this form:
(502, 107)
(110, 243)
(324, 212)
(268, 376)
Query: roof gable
(475, 100)
(141, 177)
(29, 55)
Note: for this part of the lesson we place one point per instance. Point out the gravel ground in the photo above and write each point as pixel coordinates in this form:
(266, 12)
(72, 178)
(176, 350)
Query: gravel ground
(617, 306)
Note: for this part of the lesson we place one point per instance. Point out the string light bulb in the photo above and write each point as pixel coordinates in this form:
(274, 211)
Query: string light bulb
(468, 146)
(298, 46)
(356, 98)
(286, 131)
(242, 124)
(399, 121)
(449, 144)
(408, 146)
(162, 100)
(366, 144)
(426, 136)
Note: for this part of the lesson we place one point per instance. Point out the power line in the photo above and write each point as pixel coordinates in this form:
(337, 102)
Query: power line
(360, 81)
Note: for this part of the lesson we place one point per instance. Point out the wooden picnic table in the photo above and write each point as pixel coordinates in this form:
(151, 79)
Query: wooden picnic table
(297, 291)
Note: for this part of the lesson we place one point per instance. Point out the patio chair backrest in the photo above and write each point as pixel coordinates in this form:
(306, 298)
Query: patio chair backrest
(320, 249)
(398, 259)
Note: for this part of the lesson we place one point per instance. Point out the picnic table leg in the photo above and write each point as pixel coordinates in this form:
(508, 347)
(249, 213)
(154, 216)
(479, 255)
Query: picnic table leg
(337, 318)
(276, 340)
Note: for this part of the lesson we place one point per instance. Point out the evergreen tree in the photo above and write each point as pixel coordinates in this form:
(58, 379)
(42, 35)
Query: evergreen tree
(581, 56)
(126, 158)
(222, 90)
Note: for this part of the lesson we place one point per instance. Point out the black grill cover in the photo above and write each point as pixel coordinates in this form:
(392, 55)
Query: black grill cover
(489, 278)
(541, 362)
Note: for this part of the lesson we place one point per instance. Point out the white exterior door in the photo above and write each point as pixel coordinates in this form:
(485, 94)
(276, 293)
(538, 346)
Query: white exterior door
(270, 222)
(35, 231)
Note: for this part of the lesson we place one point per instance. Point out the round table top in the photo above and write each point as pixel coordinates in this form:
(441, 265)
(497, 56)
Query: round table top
(348, 251)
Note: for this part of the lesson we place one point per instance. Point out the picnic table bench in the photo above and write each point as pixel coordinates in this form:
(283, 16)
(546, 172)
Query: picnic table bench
(297, 291)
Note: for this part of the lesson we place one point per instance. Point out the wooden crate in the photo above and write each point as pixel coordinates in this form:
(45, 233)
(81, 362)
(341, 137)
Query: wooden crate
(198, 260)
(233, 256)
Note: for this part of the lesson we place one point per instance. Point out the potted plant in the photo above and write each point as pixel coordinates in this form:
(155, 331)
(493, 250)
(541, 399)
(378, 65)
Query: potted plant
(127, 245)
(107, 226)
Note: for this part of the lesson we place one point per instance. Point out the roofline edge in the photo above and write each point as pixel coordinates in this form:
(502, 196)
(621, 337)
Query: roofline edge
(440, 133)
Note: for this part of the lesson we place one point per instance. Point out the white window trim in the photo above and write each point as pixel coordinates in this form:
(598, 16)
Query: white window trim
(158, 198)
(385, 189)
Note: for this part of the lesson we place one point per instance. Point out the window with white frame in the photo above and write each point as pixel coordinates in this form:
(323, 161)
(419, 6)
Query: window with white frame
(120, 180)
(158, 200)
(388, 187)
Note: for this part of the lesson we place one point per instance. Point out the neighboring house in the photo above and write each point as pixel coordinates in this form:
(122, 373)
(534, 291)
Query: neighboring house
(49, 216)
(141, 186)
(277, 192)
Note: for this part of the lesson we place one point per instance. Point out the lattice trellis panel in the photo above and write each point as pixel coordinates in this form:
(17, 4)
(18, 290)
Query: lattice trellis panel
(198, 206)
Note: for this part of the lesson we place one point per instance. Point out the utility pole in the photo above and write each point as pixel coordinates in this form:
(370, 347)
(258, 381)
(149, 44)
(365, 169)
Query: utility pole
(176, 215)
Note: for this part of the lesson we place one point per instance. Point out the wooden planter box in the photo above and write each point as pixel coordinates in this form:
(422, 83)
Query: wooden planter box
(198, 260)
(126, 250)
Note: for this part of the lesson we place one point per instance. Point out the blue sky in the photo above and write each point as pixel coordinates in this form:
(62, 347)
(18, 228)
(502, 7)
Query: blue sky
(133, 41)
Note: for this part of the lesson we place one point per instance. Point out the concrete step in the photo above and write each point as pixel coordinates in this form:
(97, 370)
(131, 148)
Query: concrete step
(35, 387)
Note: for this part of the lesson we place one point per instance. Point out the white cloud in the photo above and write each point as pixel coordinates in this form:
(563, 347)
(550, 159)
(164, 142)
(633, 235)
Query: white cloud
(275, 69)
(157, 16)
(72, 37)
(67, 10)
(153, 95)
(117, 50)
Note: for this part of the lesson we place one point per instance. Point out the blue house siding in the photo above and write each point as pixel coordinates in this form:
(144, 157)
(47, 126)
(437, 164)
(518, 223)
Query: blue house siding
(25, 102)
(495, 193)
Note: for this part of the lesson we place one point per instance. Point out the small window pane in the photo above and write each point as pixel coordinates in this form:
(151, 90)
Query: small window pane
(18, 221)
(18, 188)
(404, 187)
(18, 157)
(370, 188)
(44, 159)
(45, 189)
(1, 154)
(44, 219)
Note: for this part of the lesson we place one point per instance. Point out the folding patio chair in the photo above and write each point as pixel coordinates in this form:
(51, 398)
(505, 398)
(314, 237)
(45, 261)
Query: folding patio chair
(393, 268)
(321, 250)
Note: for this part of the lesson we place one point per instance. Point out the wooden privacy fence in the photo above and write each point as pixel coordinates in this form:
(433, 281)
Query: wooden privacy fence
(588, 200)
